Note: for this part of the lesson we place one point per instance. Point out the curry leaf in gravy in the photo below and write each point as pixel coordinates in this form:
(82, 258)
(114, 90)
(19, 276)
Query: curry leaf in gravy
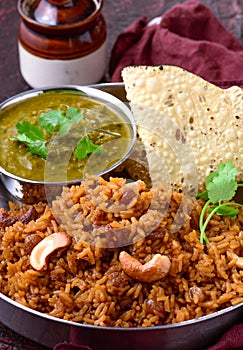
(221, 187)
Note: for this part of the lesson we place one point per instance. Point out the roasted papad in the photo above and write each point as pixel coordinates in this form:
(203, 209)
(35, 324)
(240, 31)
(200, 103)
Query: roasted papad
(187, 124)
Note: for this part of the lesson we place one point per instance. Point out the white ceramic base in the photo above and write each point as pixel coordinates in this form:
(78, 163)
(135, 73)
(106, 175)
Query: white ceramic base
(39, 72)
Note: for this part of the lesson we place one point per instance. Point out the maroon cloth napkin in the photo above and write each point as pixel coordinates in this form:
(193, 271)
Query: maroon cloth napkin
(233, 339)
(189, 35)
(69, 346)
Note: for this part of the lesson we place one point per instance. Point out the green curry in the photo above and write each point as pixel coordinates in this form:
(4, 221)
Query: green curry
(102, 126)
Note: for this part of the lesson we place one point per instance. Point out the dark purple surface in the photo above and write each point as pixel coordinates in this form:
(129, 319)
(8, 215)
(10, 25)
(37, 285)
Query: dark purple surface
(118, 15)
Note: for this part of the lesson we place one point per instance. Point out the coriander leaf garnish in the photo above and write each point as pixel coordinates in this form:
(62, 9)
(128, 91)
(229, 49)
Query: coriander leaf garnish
(225, 210)
(221, 187)
(84, 147)
(33, 137)
(221, 183)
(54, 121)
(64, 126)
(38, 148)
(75, 114)
(31, 131)
(56, 118)
(50, 120)
(203, 195)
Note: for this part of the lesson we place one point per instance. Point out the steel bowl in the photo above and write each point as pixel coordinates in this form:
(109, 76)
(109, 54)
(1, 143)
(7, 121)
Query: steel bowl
(189, 335)
(30, 191)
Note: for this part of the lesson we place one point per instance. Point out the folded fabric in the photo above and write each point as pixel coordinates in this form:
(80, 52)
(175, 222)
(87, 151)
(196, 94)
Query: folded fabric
(188, 35)
(233, 339)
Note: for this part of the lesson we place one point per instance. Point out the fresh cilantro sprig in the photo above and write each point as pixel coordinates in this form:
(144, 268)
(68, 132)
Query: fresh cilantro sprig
(221, 187)
(57, 119)
(85, 147)
(33, 137)
(54, 121)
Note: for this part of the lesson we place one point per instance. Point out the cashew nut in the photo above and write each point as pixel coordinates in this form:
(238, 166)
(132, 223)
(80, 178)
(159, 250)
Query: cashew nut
(46, 246)
(154, 270)
(239, 260)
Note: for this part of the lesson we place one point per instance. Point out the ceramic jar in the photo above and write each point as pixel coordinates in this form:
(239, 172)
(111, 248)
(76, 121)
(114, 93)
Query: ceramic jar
(61, 42)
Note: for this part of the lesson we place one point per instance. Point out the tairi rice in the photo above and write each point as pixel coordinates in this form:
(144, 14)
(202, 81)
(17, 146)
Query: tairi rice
(85, 282)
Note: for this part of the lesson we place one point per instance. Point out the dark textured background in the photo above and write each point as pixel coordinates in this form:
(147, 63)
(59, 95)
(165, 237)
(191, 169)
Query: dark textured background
(118, 15)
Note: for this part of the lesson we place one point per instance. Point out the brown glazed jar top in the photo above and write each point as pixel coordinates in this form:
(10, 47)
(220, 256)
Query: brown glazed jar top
(59, 15)
(61, 29)
(62, 12)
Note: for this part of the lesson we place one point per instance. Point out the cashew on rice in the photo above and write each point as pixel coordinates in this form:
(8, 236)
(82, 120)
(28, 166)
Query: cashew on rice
(238, 259)
(47, 246)
(155, 269)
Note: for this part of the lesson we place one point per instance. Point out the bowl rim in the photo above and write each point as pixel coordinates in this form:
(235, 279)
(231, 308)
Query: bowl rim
(121, 329)
(94, 92)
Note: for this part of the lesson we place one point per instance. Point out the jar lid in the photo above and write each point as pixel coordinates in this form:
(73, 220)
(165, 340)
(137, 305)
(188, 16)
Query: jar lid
(59, 13)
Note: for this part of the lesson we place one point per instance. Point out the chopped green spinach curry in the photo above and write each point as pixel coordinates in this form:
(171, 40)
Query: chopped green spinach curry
(60, 137)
